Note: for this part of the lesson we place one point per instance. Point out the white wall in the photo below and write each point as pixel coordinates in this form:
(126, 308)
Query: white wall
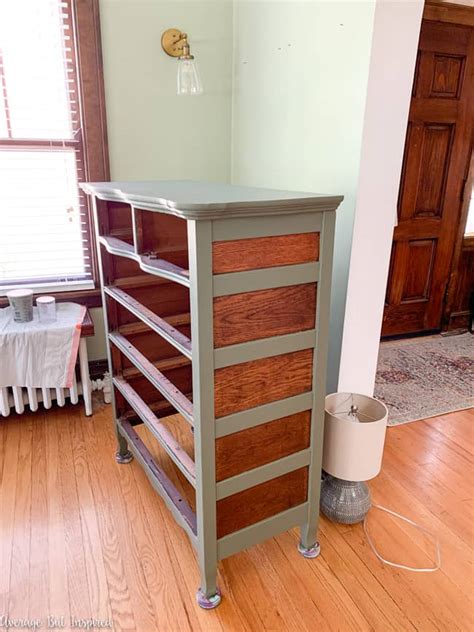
(153, 133)
(396, 33)
(300, 83)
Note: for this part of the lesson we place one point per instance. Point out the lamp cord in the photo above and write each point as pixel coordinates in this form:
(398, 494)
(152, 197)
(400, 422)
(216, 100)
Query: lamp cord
(430, 569)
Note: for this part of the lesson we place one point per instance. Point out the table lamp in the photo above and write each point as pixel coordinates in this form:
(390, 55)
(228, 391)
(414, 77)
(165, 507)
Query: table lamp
(354, 435)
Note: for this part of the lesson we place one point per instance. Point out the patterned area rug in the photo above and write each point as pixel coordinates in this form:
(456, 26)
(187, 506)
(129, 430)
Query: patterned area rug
(424, 377)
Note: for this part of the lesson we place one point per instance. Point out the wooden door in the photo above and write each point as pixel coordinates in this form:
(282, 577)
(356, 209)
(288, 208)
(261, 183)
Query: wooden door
(436, 159)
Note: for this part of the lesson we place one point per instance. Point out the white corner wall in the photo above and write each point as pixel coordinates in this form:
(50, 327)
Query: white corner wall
(392, 65)
(300, 85)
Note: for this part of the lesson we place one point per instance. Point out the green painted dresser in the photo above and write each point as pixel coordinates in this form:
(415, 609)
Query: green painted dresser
(216, 300)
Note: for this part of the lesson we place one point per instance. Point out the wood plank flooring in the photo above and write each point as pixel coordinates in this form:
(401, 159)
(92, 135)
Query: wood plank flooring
(82, 536)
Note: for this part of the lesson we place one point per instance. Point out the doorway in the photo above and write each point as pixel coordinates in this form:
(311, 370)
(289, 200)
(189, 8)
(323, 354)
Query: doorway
(431, 278)
(435, 170)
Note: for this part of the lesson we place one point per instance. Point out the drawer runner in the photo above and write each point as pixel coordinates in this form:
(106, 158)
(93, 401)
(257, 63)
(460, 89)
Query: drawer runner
(156, 377)
(174, 450)
(179, 507)
(157, 324)
(148, 263)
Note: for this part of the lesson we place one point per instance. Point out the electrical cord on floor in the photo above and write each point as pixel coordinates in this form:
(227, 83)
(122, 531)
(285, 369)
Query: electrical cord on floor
(430, 569)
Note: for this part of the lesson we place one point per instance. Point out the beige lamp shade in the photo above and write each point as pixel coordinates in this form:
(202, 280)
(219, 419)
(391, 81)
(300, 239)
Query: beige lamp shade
(353, 443)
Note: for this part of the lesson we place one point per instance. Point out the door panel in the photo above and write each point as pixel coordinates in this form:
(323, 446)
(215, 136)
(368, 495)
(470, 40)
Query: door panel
(421, 255)
(437, 153)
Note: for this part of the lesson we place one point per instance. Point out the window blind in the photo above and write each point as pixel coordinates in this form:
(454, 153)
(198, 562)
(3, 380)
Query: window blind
(44, 225)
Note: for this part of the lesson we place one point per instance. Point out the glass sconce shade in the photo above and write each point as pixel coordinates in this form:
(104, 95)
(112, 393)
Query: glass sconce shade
(189, 80)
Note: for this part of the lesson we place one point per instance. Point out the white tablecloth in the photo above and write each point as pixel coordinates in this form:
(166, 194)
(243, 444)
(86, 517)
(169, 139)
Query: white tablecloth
(36, 354)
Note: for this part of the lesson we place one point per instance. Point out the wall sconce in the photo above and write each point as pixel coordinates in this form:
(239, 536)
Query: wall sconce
(175, 43)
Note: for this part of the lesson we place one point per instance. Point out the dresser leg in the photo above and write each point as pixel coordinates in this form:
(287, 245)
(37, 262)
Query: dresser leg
(123, 454)
(208, 596)
(309, 552)
(208, 603)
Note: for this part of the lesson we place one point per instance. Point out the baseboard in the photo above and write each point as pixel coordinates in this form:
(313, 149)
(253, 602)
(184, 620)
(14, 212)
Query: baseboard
(460, 320)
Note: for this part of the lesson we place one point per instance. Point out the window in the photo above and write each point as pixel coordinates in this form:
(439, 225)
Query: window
(45, 227)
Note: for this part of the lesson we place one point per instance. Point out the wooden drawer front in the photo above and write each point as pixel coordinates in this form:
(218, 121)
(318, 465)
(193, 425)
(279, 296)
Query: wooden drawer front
(264, 313)
(262, 501)
(264, 252)
(251, 384)
(242, 451)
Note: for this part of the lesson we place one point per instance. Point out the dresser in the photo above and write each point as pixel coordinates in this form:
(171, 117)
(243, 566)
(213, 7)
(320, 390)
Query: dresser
(216, 301)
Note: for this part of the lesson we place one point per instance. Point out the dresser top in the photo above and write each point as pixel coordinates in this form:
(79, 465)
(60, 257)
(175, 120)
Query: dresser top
(206, 200)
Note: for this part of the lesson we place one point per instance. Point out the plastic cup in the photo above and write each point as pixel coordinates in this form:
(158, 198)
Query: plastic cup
(46, 308)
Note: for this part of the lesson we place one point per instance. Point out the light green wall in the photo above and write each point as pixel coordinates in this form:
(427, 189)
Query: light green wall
(96, 348)
(300, 82)
(154, 134)
(287, 114)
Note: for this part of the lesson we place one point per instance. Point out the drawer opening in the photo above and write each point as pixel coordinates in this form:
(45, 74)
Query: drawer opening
(140, 324)
(175, 437)
(163, 235)
(179, 427)
(165, 384)
(163, 474)
(115, 220)
(162, 296)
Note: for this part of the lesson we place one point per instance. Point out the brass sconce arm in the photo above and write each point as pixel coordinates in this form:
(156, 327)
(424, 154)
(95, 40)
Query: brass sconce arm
(175, 43)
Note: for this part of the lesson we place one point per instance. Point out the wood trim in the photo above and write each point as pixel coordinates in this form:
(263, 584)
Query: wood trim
(87, 328)
(439, 11)
(459, 247)
(86, 19)
(91, 85)
(264, 252)
(468, 242)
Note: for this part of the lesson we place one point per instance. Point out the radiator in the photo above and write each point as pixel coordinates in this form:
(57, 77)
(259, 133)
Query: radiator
(17, 397)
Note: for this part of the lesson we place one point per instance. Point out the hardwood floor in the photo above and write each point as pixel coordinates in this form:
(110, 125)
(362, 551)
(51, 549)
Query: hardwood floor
(82, 536)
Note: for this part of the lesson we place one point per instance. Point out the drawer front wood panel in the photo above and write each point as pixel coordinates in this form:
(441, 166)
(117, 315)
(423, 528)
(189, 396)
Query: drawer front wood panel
(262, 501)
(251, 384)
(242, 451)
(264, 313)
(264, 252)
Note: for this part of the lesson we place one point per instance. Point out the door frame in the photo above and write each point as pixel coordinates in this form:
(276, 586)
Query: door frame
(439, 11)
(462, 243)
(452, 14)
